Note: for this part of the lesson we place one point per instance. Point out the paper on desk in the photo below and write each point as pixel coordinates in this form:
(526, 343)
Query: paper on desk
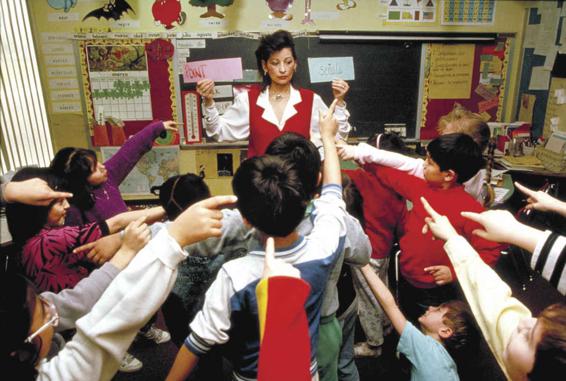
(556, 143)
(500, 194)
(540, 77)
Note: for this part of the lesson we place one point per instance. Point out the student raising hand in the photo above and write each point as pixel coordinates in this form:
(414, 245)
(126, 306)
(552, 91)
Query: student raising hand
(540, 200)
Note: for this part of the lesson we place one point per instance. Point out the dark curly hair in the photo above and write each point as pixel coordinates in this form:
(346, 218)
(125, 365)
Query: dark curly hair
(179, 192)
(270, 44)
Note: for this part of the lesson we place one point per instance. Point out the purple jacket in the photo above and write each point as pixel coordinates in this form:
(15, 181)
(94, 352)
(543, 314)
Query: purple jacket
(108, 200)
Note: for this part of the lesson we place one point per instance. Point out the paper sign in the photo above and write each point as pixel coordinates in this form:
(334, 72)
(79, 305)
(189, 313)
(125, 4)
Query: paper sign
(326, 69)
(57, 48)
(68, 83)
(56, 17)
(487, 105)
(486, 92)
(65, 59)
(451, 71)
(191, 44)
(65, 95)
(63, 107)
(221, 70)
(224, 91)
(64, 71)
(540, 77)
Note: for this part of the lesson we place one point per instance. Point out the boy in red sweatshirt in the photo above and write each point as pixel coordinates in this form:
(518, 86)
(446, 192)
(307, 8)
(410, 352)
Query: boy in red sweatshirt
(427, 275)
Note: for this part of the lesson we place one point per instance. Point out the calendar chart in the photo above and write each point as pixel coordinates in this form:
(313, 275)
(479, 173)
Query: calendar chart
(119, 81)
(468, 12)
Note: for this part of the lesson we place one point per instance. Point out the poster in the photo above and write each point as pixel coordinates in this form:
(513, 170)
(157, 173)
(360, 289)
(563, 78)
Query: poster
(411, 11)
(451, 68)
(119, 81)
(468, 12)
(154, 168)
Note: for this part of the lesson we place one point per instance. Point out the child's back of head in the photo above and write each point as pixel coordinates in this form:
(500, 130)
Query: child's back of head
(271, 195)
(463, 120)
(457, 152)
(388, 141)
(302, 154)
(179, 192)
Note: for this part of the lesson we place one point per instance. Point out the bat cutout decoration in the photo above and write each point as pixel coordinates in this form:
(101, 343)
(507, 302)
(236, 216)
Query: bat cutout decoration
(114, 10)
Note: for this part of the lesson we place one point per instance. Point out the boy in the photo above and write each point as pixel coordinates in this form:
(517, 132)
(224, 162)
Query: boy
(446, 330)
(427, 274)
(272, 200)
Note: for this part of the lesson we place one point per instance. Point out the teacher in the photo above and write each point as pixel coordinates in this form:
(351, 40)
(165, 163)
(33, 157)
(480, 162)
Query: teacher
(264, 113)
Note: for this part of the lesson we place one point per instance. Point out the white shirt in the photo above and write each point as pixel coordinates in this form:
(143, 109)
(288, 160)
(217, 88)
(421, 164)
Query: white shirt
(234, 125)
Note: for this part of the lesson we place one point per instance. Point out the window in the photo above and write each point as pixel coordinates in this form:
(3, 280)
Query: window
(25, 138)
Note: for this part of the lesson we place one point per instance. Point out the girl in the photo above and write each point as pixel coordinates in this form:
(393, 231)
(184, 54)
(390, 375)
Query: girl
(105, 326)
(94, 185)
(262, 114)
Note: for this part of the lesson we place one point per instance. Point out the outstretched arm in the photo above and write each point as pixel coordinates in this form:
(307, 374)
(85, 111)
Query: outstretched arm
(385, 298)
(120, 221)
(32, 192)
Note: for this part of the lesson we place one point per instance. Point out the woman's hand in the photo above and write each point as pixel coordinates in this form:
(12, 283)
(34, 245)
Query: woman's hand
(205, 88)
(170, 125)
(276, 267)
(339, 90)
(439, 225)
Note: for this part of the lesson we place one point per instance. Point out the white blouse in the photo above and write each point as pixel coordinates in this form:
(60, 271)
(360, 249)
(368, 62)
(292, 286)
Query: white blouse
(234, 125)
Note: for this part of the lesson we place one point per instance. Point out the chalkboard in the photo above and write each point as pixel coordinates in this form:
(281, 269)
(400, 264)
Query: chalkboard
(387, 76)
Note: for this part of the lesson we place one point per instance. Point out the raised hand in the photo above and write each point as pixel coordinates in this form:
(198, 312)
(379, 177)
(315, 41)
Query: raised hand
(498, 225)
(170, 125)
(439, 225)
(339, 89)
(136, 236)
(540, 200)
(277, 267)
(32, 192)
(327, 123)
(205, 88)
(441, 274)
(200, 221)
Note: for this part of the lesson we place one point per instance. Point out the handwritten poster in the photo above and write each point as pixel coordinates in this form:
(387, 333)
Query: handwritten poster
(451, 71)
(221, 70)
(326, 69)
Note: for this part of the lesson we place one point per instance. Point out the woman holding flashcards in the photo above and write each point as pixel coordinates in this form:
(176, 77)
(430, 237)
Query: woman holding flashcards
(276, 107)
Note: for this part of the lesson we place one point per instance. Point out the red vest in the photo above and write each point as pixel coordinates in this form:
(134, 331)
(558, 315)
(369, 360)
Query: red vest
(263, 132)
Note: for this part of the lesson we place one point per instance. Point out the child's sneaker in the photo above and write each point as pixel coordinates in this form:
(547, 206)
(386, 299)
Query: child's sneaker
(130, 364)
(156, 335)
(366, 350)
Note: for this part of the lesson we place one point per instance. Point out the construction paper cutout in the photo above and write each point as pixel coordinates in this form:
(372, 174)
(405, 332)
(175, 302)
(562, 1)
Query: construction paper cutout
(114, 10)
(168, 13)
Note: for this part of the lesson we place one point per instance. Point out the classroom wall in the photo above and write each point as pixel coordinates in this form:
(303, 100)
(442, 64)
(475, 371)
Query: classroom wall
(70, 128)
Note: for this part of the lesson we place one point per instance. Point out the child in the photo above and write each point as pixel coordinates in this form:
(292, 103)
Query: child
(107, 325)
(446, 331)
(382, 210)
(426, 273)
(96, 196)
(458, 120)
(272, 199)
(525, 347)
(47, 246)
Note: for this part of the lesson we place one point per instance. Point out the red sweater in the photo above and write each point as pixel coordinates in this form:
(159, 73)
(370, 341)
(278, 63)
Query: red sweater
(383, 209)
(263, 132)
(419, 251)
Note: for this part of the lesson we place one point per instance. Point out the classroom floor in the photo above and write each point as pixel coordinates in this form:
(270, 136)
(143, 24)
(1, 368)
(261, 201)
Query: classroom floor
(536, 294)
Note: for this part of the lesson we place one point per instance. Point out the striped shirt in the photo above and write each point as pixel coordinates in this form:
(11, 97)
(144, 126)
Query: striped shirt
(549, 258)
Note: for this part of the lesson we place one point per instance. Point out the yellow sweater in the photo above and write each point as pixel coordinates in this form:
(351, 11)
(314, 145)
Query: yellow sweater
(495, 310)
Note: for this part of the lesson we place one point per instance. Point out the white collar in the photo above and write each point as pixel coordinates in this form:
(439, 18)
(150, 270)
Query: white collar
(269, 114)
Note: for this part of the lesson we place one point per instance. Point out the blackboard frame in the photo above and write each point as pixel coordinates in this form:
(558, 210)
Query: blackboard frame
(387, 85)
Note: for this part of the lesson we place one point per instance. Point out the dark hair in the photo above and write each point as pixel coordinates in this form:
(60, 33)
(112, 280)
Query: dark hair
(270, 195)
(353, 199)
(550, 355)
(16, 310)
(270, 44)
(179, 192)
(465, 335)
(389, 141)
(25, 221)
(75, 166)
(457, 152)
(302, 154)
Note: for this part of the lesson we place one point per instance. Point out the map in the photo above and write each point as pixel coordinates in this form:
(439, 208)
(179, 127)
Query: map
(154, 168)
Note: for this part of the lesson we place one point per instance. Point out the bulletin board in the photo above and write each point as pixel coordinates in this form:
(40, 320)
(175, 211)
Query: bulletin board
(486, 87)
(121, 79)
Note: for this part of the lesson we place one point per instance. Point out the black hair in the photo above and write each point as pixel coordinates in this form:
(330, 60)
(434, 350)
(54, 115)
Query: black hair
(353, 199)
(270, 44)
(302, 154)
(75, 166)
(457, 152)
(179, 192)
(17, 357)
(389, 141)
(270, 195)
(25, 221)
